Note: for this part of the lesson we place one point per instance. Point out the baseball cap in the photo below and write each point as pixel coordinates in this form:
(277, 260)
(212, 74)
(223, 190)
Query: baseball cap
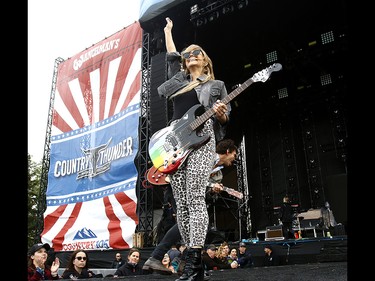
(212, 247)
(37, 247)
(242, 244)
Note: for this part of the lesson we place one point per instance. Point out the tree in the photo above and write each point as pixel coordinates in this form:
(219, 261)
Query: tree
(34, 175)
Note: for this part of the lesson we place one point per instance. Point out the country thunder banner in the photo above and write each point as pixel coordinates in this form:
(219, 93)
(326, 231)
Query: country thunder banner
(91, 196)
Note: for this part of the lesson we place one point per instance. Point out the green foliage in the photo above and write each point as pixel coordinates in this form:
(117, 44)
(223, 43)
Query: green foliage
(34, 175)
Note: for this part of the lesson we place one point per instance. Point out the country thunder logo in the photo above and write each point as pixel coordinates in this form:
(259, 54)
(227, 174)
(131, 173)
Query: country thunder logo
(85, 239)
(94, 161)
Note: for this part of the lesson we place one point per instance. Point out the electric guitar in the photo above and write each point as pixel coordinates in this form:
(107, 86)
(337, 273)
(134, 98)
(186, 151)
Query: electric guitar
(155, 177)
(170, 146)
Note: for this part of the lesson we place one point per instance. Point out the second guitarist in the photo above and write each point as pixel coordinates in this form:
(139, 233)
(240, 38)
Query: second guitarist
(193, 85)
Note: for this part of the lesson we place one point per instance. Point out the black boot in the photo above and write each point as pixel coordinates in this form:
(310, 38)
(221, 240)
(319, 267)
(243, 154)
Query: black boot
(155, 265)
(193, 270)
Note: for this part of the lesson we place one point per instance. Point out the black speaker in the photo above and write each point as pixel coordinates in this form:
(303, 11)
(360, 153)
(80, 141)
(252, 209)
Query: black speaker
(158, 106)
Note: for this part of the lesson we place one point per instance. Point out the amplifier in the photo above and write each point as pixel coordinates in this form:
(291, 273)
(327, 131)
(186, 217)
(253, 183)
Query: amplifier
(274, 233)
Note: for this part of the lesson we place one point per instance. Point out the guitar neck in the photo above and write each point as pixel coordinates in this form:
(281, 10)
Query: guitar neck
(210, 112)
(262, 76)
(233, 192)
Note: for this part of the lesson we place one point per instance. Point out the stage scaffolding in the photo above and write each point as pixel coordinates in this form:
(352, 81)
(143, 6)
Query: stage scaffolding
(42, 204)
(145, 195)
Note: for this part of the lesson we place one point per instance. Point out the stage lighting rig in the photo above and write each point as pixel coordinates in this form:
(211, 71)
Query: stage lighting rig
(201, 14)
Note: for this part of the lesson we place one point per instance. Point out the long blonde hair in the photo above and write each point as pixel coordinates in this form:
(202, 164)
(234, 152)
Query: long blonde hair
(219, 253)
(207, 70)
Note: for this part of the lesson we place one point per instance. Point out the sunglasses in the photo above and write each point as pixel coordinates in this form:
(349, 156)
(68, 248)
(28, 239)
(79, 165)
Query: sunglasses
(195, 53)
(81, 258)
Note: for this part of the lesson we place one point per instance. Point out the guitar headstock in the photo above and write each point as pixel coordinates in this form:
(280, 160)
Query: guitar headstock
(264, 74)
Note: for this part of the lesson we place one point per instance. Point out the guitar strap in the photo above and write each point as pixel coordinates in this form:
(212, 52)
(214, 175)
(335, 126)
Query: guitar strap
(200, 80)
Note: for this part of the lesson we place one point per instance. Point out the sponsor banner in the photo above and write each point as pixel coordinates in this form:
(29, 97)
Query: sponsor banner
(91, 196)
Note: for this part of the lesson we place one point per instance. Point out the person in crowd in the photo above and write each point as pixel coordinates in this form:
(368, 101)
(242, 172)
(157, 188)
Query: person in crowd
(178, 262)
(132, 266)
(245, 259)
(286, 218)
(212, 262)
(226, 154)
(166, 261)
(193, 89)
(270, 258)
(37, 268)
(223, 252)
(232, 256)
(117, 261)
(77, 267)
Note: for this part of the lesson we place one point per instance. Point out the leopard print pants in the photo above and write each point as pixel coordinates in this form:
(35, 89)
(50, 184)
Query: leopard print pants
(189, 187)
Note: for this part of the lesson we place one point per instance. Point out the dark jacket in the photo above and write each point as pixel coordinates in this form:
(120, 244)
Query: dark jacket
(286, 213)
(270, 260)
(245, 260)
(86, 273)
(117, 263)
(128, 269)
(214, 263)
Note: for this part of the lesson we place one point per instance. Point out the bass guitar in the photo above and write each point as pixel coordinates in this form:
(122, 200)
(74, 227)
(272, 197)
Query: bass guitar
(169, 147)
(155, 177)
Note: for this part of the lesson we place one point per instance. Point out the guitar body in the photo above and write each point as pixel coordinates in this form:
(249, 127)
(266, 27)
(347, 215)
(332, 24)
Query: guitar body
(169, 147)
(155, 177)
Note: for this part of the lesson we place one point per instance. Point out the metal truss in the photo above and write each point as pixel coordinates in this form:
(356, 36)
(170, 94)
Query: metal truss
(144, 195)
(42, 204)
(211, 7)
(242, 184)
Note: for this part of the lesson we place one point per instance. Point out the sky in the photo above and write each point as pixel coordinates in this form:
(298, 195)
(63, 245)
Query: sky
(61, 29)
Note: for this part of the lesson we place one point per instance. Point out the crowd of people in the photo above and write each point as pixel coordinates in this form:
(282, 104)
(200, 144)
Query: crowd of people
(213, 258)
